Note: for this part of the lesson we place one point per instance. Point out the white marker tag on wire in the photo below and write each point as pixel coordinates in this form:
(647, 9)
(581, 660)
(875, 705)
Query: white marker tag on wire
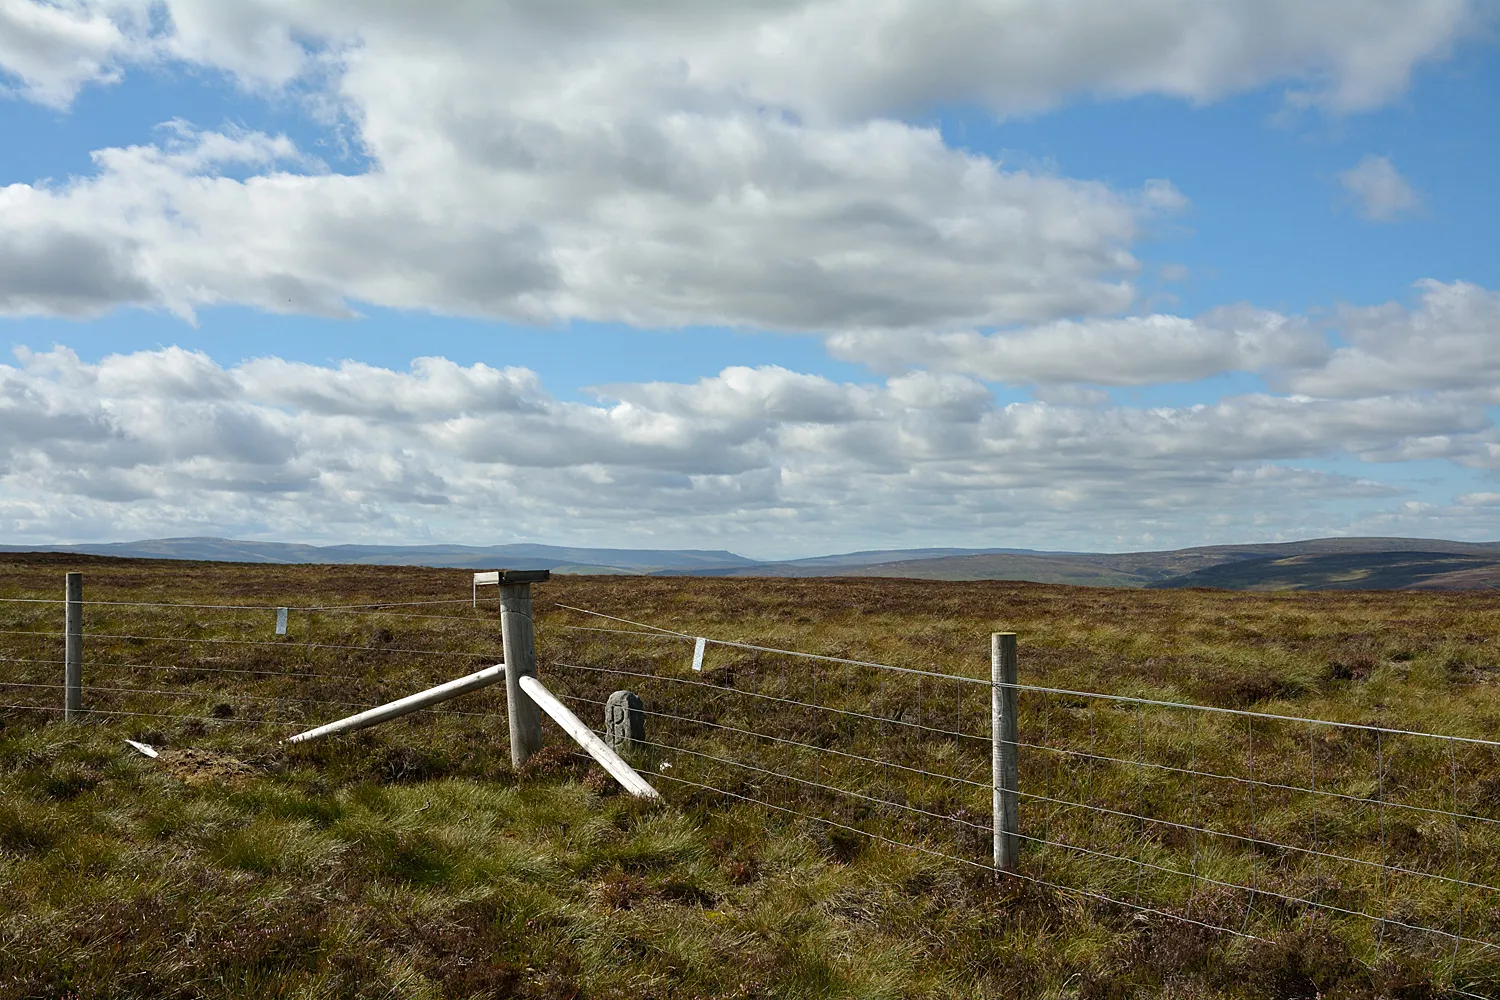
(698, 653)
(281, 621)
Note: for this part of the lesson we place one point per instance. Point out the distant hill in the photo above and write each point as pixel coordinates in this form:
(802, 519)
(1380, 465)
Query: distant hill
(1319, 563)
(1350, 571)
(876, 557)
(1036, 567)
(1156, 569)
(519, 556)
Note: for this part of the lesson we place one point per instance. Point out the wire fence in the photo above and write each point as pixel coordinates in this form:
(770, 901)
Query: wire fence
(1241, 822)
(1244, 822)
(231, 665)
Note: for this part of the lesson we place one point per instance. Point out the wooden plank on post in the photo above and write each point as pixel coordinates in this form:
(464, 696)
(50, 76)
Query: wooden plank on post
(73, 648)
(518, 637)
(489, 579)
(497, 577)
(1003, 761)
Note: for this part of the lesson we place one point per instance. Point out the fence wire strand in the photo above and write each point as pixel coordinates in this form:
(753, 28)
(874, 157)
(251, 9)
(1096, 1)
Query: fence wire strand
(185, 693)
(154, 715)
(856, 705)
(290, 644)
(882, 716)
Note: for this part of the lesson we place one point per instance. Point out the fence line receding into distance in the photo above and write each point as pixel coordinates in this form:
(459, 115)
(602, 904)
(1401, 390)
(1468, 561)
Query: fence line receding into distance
(1240, 821)
(234, 664)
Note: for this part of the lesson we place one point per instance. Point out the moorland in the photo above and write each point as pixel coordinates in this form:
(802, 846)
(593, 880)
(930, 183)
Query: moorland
(1353, 563)
(411, 860)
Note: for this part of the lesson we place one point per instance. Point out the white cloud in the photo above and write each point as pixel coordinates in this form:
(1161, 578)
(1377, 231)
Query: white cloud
(674, 163)
(662, 164)
(1450, 341)
(1025, 55)
(1120, 352)
(1479, 500)
(435, 388)
(850, 59)
(54, 49)
(1380, 192)
(764, 459)
(740, 221)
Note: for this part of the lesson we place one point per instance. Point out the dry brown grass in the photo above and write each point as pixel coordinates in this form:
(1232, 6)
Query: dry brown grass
(407, 860)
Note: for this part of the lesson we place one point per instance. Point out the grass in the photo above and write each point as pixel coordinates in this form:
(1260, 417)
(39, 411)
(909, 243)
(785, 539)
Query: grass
(410, 860)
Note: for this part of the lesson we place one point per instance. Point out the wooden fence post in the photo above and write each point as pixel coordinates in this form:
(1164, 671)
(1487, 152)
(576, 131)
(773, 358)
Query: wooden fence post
(1003, 757)
(73, 648)
(519, 639)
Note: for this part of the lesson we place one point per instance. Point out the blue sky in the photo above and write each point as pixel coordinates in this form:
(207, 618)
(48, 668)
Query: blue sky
(817, 324)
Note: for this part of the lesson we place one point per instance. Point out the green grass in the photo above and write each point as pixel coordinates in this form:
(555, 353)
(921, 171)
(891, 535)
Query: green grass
(410, 860)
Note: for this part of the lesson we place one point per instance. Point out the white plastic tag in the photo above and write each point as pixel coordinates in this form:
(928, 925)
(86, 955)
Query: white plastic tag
(281, 621)
(698, 648)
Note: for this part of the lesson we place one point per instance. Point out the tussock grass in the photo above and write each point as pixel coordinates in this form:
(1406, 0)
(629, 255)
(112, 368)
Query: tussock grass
(410, 861)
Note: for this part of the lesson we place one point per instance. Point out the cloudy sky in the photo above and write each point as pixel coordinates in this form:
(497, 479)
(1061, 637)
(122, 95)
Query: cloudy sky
(780, 276)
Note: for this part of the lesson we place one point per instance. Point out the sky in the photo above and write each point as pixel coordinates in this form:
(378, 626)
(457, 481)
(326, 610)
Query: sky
(784, 277)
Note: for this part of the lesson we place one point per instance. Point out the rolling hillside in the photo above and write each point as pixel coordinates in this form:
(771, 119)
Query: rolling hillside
(1350, 571)
(1319, 563)
(520, 556)
(1322, 563)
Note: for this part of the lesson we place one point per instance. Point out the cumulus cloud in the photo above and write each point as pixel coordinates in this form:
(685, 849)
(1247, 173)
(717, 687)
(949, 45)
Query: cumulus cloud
(1379, 191)
(435, 387)
(52, 50)
(169, 441)
(1480, 500)
(65, 270)
(659, 164)
(748, 221)
(1449, 341)
(847, 59)
(1119, 352)
(679, 163)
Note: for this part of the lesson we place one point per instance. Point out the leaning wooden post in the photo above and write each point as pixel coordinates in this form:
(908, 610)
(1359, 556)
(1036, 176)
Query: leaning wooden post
(73, 648)
(519, 640)
(1003, 735)
(405, 706)
(597, 748)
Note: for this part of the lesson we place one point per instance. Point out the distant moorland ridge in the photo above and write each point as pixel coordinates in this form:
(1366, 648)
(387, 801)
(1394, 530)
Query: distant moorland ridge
(1314, 564)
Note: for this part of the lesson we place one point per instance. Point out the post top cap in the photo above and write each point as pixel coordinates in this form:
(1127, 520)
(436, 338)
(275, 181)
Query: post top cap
(503, 577)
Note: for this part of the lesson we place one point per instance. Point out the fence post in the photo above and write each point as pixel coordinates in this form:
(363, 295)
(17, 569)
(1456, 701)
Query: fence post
(73, 648)
(1003, 736)
(519, 639)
